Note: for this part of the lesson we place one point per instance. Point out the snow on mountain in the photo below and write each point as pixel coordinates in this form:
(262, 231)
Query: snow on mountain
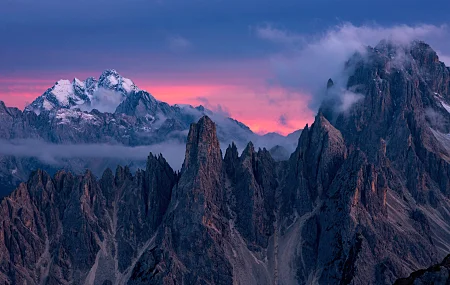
(121, 106)
(127, 84)
(66, 117)
(80, 83)
(63, 90)
(109, 111)
(110, 89)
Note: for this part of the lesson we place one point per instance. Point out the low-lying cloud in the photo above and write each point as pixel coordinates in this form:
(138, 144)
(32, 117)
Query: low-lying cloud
(55, 154)
(104, 100)
(307, 67)
(99, 156)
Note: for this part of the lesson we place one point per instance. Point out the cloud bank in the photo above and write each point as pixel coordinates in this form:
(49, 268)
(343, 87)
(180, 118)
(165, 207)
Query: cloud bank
(307, 67)
(173, 150)
(55, 154)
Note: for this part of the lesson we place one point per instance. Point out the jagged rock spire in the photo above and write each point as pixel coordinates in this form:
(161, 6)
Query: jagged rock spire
(202, 146)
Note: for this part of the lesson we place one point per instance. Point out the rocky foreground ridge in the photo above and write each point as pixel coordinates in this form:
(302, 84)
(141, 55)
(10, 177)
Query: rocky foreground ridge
(364, 199)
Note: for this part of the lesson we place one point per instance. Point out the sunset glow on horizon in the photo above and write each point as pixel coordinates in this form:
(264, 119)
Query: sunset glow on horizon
(248, 101)
(264, 63)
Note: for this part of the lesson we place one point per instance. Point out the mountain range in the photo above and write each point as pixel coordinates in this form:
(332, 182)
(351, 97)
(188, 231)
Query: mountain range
(101, 123)
(363, 199)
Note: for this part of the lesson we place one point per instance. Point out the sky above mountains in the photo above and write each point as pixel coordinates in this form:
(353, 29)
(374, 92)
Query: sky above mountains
(264, 63)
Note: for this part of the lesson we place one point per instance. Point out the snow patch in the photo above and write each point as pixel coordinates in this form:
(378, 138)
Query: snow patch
(47, 105)
(79, 83)
(67, 116)
(127, 85)
(62, 90)
(113, 80)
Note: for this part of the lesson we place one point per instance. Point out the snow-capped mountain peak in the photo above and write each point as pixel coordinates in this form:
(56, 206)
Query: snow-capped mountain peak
(81, 94)
(111, 79)
(63, 92)
(78, 82)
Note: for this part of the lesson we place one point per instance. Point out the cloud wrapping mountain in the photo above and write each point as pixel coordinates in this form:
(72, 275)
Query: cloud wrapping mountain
(307, 61)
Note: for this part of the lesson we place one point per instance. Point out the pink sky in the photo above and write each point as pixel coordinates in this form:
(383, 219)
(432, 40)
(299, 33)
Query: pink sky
(245, 96)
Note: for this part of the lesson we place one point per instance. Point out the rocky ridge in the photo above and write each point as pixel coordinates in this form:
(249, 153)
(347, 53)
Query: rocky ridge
(362, 200)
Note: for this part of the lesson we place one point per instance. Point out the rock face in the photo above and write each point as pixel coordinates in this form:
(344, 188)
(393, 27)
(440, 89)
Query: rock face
(77, 229)
(363, 199)
(437, 275)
